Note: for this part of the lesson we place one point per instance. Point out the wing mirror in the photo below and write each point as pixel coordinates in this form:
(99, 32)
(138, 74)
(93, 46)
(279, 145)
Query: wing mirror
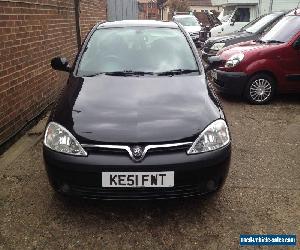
(213, 62)
(296, 44)
(61, 64)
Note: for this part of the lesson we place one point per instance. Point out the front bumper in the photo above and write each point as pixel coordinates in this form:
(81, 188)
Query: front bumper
(81, 176)
(232, 83)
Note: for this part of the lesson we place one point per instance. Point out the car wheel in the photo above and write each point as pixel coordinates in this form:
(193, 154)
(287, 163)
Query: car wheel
(260, 89)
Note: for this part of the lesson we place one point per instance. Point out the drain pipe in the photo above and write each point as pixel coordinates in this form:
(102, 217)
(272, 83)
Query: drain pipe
(271, 6)
(77, 21)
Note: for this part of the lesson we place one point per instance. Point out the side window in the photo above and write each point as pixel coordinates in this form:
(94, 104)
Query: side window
(242, 15)
(296, 44)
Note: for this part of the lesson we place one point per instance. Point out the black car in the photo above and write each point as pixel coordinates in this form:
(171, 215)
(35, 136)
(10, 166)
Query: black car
(252, 31)
(136, 119)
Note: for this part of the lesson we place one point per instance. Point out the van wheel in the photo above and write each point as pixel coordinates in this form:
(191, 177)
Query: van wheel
(260, 89)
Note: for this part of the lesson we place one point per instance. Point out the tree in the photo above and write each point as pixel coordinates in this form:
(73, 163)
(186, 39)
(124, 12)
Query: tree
(178, 5)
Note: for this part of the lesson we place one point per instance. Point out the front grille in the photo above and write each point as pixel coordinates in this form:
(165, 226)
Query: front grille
(138, 193)
(105, 150)
(88, 185)
(171, 149)
(125, 149)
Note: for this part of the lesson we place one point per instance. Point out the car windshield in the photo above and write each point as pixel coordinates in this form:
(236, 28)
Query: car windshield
(259, 23)
(284, 30)
(187, 21)
(137, 49)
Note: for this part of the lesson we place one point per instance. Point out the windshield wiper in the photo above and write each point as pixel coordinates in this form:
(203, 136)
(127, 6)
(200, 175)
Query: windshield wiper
(128, 73)
(259, 41)
(177, 72)
(121, 73)
(93, 74)
(273, 41)
(142, 73)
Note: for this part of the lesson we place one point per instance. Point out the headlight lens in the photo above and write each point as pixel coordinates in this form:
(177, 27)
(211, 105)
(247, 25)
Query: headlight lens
(61, 140)
(234, 60)
(215, 136)
(217, 46)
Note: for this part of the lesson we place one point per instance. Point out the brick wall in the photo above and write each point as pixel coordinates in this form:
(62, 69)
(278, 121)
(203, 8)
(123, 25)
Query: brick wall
(91, 12)
(31, 33)
(148, 10)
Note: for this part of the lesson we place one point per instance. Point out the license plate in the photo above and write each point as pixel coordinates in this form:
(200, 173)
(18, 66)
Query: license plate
(138, 179)
(214, 75)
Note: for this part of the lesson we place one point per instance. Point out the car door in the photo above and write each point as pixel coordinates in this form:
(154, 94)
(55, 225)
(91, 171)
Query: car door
(291, 66)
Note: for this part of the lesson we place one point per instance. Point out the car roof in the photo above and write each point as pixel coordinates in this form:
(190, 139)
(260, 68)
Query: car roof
(276, 13)
(137, 23)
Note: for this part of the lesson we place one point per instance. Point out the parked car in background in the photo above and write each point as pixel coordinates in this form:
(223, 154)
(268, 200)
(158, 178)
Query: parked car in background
(190, 24)
(137, 119)
(257, 70)
(237, 13)
(251, 31)
(212, 21)
(233, 18)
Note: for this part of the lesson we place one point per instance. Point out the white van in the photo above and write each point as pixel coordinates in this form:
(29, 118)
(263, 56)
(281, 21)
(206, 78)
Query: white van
(233, 18)
(237, 13)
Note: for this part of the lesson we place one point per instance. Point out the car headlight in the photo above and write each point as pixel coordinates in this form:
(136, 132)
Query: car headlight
(61, 140)
(217, 46)
(234, 60)
(215, 136)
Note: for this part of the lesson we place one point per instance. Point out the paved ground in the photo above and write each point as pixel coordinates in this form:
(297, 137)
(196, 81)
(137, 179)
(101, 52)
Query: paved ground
(261, 195)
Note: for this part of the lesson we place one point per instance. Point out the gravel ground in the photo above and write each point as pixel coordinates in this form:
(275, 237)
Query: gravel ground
(261, 195)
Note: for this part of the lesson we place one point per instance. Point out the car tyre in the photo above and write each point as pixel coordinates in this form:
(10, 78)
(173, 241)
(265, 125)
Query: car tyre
(260, 89)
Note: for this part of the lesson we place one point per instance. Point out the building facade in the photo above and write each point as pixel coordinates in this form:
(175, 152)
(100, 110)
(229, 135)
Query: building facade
(203, 5)
(148, 10)
(261, 6)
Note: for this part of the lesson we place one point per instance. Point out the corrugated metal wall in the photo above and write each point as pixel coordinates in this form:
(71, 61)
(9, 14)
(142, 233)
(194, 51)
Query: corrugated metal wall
(122, 10)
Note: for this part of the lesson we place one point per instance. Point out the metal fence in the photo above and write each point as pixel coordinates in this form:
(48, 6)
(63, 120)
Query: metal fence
(122, 10)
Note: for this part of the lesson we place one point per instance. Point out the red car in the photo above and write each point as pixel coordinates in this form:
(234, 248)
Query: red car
(258, 69)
